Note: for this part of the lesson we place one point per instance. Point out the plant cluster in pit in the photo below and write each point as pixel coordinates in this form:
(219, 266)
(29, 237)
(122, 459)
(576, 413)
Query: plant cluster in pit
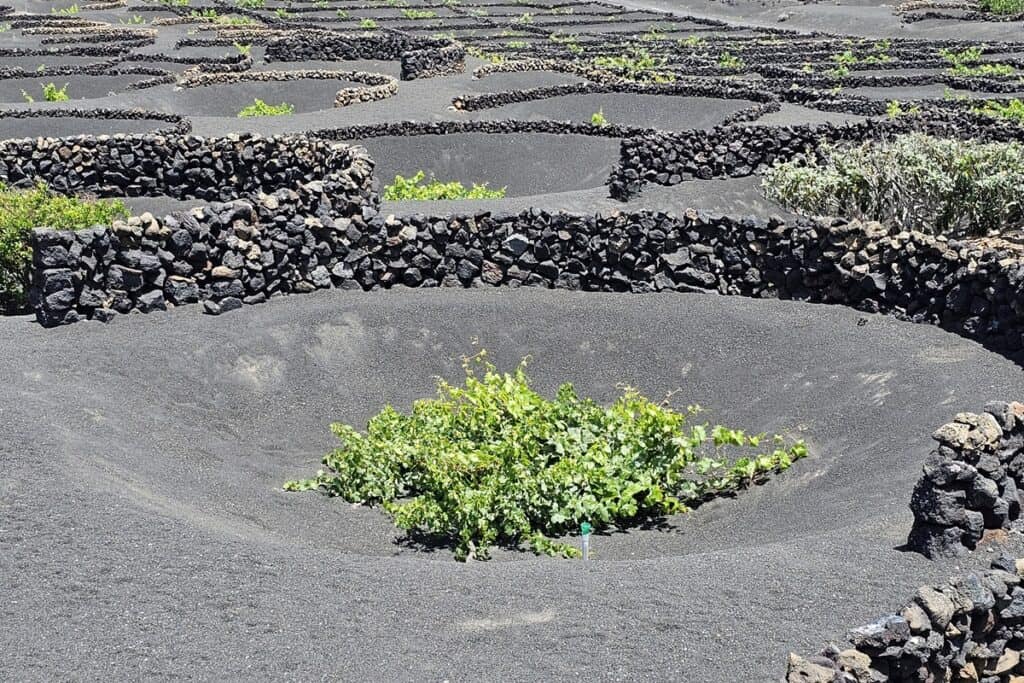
(1006, 7)
(419, 188)
(261, 108)
(23, 210)
(51, 93)
(1012, 110)
(639, 66)
(495, 462)
(914, 181)
(967, 63)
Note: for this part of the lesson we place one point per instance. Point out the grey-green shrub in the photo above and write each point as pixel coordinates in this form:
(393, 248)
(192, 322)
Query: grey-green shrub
(913, 181)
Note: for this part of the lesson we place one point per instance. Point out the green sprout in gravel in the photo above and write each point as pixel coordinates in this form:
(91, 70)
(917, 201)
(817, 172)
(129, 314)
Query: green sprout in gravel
(494, 462)
(598, 119)
(261, 108)
(23, 210)
(367, 24)
(418, 188)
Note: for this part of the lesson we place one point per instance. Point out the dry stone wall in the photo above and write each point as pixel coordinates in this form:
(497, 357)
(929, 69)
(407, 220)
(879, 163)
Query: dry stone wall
(971, 482)
(969, 629)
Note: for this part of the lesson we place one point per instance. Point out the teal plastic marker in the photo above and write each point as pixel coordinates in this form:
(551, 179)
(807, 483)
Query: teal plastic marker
(585, 531)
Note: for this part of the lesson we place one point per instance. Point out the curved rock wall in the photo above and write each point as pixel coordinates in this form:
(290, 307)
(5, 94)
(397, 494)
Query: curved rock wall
(969, 629)
(182, 167)
(971, 481)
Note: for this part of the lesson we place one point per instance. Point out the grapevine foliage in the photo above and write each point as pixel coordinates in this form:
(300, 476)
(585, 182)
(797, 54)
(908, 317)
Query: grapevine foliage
(493, 462)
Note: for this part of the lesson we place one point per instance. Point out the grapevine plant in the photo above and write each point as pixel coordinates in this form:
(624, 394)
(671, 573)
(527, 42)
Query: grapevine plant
(494, 462)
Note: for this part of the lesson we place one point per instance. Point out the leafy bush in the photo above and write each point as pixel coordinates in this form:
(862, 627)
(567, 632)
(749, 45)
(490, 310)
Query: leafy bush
(967, 63)
(417, 188)
(1012, 110)
(261, 108)
(494, 462)
(23, 210)
(419, 14)
(598, 119)
(1002, 6)
(731, 62)
(51, 93)
(367, 24)
(638, 66)
(914, 181)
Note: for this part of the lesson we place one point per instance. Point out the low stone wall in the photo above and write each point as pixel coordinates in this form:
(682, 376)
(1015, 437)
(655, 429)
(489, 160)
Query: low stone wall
(420, 57)
(177, 166)
(969, 629)
(224, 254)
(374, 86)
(970, 289)
(971, 481)
(440, 59)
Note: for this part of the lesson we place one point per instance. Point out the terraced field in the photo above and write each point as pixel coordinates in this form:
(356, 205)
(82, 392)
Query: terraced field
(269, 283)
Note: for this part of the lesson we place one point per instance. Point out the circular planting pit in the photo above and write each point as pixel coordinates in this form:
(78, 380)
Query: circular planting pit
(557, 163)
(78, 87)
(135, 450)
(48, 126)
(227, 99)
(663, 112)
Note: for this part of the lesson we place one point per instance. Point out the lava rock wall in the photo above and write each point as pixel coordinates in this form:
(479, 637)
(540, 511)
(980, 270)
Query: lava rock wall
(963, 287)
(969, 629)
(181, 167)
(971, 481)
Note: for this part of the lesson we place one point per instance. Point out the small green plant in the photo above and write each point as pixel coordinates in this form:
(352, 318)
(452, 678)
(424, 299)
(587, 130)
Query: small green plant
(1012, 110)
(731, 62)
(341, 14)
(494, 462)
(243, 49)
(1005, 7)
(561, 11)
(598, 119)
(367, 24)
(65, 11)
(261, 108)
(51, 93)
(134, 20)
(967, 62)
(250, 4)
(418, 188)
(524, 18)
(692, 42)
(23, 210)
(639, 66)
(516, 44)
(894, 109)
(282, 13)
(419, 14)
(653, 33)
(913, 181)
(5, 27)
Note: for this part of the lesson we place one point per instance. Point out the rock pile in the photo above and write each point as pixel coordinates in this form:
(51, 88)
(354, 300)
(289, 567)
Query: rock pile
(970, 629)
(971, 481)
